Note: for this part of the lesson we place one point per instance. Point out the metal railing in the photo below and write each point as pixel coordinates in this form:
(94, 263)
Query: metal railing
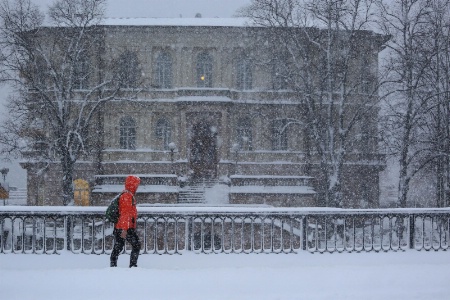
(174, 230)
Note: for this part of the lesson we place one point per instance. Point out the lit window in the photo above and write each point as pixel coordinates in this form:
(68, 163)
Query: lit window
(204, 70)
(127, 133)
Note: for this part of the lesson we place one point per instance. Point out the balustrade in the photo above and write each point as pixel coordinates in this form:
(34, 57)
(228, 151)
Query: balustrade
(174, 230)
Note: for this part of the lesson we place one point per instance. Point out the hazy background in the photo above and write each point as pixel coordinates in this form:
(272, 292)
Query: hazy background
(132, 8)
(168, 8)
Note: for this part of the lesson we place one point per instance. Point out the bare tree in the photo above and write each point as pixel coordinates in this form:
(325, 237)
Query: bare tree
(417, 107)
(438, 40)
(321, 50)
(60, 79)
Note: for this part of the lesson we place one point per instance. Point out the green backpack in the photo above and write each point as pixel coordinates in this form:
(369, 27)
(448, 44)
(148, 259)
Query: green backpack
(112, 212)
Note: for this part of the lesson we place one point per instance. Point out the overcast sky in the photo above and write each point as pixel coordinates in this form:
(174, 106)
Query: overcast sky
(168, 8)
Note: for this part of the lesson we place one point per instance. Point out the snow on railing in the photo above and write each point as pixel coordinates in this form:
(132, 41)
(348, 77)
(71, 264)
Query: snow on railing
(244, 229)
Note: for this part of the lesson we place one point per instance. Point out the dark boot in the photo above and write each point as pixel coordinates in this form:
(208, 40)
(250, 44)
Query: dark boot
(133, 239)
(113, 264)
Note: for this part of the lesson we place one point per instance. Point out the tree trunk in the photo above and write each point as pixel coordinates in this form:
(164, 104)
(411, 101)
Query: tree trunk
(67, 166)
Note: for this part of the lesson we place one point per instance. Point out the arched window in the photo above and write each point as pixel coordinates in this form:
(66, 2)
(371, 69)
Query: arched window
(127, 133)
(127, 69)
(163, 71)
(204, 70)
(244, 134)
(279, 134)
(81, 72)
(163, 132)
(244, 74)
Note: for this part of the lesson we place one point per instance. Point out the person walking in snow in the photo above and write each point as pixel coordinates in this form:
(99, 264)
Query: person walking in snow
(125, 228)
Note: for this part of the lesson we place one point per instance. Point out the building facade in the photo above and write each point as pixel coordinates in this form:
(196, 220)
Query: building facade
(205, 113)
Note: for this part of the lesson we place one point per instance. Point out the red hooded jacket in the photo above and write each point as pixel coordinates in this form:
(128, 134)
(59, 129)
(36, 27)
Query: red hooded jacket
(127, 204)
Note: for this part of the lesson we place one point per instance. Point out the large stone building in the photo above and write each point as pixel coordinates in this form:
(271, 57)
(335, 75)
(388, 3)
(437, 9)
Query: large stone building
(207, 119)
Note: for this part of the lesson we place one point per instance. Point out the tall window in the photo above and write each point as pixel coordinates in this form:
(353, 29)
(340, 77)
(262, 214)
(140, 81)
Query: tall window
(163, 72)
(244, 74)
(244, 134)
(279, 76)
(163, 132)
(81, 72)
(365, 140)
(127, 69)
(279, 134)
(127, 133)
(204, 70)
(365, 76)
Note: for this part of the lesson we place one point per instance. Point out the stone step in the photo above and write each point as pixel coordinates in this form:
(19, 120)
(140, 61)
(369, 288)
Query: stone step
(194, 191)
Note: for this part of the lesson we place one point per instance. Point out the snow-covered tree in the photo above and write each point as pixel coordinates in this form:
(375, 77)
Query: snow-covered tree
(325, 53)
(417, 112)
(60, 79)
(438, 40)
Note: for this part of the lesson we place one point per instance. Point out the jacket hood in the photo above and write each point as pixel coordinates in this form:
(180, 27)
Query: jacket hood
(131, 183)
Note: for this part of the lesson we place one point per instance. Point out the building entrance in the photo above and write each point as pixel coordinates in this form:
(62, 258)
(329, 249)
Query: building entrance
(203, 156)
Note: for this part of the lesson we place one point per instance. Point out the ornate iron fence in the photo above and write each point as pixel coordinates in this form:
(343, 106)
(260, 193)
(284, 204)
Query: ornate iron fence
(174, 230)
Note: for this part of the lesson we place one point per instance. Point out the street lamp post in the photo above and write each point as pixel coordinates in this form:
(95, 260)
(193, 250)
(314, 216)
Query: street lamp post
(172, 148)
(4, 172)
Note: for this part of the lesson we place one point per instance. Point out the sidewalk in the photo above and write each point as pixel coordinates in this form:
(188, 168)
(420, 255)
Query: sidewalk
(401, 275)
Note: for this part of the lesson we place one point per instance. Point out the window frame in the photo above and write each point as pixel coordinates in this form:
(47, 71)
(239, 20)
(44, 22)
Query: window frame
(244, 130)
(204, 70)
(127, 133)
(280, 140)
(128, 70)
(244, 74)
(163, 131)
(164, 70)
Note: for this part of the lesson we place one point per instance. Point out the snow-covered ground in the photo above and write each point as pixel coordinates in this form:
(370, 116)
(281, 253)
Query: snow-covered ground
(396, 275)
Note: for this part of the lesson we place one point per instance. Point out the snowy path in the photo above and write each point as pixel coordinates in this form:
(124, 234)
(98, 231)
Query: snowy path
(407, 275)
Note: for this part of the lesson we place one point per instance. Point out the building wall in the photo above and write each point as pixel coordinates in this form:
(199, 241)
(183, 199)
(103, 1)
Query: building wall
(221, 106)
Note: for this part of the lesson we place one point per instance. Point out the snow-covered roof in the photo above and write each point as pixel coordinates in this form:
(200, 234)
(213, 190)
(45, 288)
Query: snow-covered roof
(213, 22)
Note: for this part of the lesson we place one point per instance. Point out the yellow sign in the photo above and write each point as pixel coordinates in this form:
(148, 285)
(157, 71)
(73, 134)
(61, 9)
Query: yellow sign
(81, 192)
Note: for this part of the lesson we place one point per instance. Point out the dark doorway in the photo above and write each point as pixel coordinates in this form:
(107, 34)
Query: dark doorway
(203, 159)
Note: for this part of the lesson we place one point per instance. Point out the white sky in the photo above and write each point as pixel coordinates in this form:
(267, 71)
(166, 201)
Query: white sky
(168, 8)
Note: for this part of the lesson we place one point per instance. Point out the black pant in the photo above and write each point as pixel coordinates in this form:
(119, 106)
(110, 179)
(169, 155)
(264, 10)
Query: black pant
(119, 243)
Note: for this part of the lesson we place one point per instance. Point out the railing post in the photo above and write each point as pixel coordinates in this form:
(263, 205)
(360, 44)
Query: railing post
(69, 233)
(189, 234)
(304, 233)
(411, 231)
